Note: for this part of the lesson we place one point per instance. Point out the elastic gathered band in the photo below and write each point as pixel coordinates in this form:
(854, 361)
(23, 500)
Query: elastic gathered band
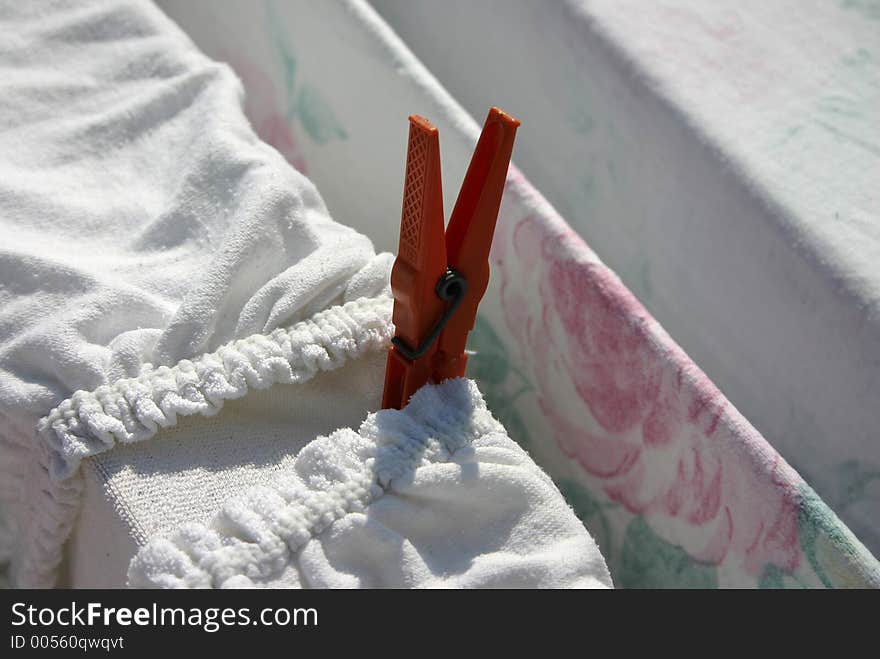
(135, 409)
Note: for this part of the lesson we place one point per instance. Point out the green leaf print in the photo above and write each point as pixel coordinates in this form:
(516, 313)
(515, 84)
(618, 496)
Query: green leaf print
(591, 511)
(317, 116)
(489, 362)
(648, 561)
(501, 382)
(774, 577)
(282, 49)
(829, 546)
(869, 9)
(304, 101)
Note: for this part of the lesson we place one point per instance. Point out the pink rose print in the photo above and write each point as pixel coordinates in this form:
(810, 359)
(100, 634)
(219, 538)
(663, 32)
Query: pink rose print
(638, 416)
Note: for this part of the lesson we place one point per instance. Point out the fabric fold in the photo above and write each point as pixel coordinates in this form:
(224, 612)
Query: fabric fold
(392, 505)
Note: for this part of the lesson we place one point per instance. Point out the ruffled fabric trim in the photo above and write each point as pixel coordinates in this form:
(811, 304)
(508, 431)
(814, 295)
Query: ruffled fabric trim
(255, 535)
(135, 409)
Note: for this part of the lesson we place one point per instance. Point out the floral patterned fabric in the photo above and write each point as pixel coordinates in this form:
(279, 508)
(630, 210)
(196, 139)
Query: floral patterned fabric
(678, 487)
(722, 158)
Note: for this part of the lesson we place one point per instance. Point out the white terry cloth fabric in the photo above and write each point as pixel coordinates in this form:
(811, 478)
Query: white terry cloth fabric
(141, 222)
(157, 261)
(326, 372)
(436, 495)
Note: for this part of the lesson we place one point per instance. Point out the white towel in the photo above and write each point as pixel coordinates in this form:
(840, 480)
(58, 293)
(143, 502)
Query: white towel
(142, 222)
(156, 261)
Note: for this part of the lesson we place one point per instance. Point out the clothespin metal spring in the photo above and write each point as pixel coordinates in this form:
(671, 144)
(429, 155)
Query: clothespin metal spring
(452, 288)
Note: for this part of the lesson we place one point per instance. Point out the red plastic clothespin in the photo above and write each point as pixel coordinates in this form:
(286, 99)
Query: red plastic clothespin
(440, 277)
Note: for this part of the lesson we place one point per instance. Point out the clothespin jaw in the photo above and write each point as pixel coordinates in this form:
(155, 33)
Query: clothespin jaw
(439, 278)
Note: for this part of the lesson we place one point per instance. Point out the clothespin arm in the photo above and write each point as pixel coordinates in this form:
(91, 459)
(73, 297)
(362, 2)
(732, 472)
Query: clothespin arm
(421, 262)
(470, 232)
